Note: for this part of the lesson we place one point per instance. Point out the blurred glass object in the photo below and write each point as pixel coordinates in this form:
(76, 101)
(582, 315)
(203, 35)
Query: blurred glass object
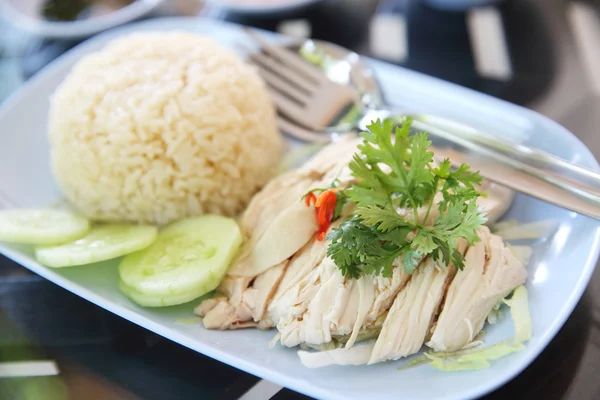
(460, 5)
(14, 44)
(71, 10)
(68, 19)
(184, 7)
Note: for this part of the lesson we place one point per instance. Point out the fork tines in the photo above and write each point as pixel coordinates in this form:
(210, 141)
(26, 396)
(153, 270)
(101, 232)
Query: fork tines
(299, 89)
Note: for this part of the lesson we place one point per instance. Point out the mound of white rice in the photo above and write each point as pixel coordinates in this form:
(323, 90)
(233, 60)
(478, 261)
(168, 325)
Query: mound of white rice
(159, 126)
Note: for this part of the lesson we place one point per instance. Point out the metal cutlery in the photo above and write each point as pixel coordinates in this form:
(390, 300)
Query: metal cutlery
(315, 108)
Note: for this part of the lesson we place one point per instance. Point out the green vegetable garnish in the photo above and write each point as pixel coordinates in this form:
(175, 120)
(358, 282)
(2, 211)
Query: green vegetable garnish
(188, 260)
(41, 226)
(399, 173)
(103, 242)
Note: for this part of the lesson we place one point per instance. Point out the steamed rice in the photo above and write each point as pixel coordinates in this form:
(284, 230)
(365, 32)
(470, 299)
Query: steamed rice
(160, 126)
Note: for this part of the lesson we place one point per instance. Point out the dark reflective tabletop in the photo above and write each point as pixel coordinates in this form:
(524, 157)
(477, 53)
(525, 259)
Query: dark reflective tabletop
(548, 46)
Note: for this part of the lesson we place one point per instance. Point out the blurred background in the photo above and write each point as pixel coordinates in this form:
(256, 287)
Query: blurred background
(541, 54)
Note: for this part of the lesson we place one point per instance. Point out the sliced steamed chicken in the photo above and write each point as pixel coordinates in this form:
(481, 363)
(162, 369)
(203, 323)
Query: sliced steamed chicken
(277, 223)
(413, 311)
(491, 272)
(275, 226)
(325, 305)
(284, 279)
(244, 302)
(227, 311)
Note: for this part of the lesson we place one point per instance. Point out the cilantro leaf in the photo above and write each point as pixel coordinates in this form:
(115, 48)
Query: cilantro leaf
(420, 158)
(385, 219)
(357, 248)
(424, 242)
(395, 170)
(411, 260)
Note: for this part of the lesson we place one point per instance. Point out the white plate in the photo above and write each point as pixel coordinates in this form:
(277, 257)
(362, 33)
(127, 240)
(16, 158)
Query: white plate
(559, 271)
(256, 7)
(26, 15)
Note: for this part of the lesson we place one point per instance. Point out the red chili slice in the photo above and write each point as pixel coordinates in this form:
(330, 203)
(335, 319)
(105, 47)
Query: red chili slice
(310, 199)
(325, 197)
(325, 207)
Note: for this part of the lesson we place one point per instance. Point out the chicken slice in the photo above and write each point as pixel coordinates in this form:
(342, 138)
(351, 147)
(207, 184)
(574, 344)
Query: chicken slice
(264, 287)
(242, 302)
(228, 310)
(218, 313)
(315, 328)
(291, 294)
(491, 272)
(384, 293)
(287, 227)
(304, 306)
(407, 323)
(366, 295)
(325, 304)
(313, 292)
(277, 223)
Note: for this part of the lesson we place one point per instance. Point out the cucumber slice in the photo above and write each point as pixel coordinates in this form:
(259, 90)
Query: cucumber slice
(188, 260)
(102, 243)
(41, 226)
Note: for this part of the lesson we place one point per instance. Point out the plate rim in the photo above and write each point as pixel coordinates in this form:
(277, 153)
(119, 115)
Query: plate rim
(78, 29)
(241, 8)
(299, 385)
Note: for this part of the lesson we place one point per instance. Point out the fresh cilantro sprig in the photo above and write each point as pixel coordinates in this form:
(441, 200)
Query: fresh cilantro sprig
(395, 171)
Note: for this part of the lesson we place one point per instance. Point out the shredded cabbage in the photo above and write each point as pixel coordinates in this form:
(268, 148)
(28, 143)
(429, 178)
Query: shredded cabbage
(478, 359)
(415, 362)
(314, 55)
(495, 316)
(522, 253)
(189, 321)
(519, 311)
(470, 345)
(493, 352)
(363, 335)
(447, 364)
(503, 225)
(532, 230)
(273, 342)
(332, 345)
